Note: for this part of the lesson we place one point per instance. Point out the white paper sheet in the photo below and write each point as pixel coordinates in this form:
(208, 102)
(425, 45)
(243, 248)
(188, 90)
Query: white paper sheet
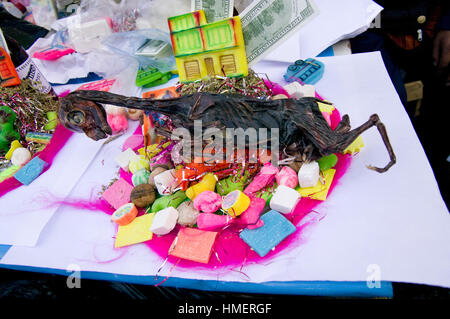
(22, 211)
(336, 20)
(396, 221)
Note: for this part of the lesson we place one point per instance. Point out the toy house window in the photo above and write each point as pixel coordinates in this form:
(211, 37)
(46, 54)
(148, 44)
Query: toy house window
(210, 66)
(228, 64)
(192, 70)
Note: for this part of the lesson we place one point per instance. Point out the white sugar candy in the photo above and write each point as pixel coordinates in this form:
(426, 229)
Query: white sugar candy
(284, 199)
(297, 91)
(124, 158)
(187, 214)
(164, 221)
(308, 175)
(165, 182)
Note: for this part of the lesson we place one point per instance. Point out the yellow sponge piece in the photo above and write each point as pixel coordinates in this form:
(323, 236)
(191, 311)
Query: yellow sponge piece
(355, 147)
(320, 191)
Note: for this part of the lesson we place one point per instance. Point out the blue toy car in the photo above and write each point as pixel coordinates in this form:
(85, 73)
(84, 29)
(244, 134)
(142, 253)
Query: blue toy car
(307, 71)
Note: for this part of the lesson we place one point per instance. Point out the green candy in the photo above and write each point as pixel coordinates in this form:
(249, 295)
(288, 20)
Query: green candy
(52, 118)
(140, 177)
(266, 193)
(232, 183)
(327, 162)
(173, 200)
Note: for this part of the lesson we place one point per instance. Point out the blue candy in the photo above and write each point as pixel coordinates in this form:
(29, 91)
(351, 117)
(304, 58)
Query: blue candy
(276, 228)
(30, 171)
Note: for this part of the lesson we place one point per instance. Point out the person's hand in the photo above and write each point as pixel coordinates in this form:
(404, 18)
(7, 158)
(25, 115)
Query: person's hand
(441, 53)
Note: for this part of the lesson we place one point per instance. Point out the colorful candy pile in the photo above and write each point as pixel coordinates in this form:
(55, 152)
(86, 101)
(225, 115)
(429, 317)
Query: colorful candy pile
(194, 204)
(28, 119)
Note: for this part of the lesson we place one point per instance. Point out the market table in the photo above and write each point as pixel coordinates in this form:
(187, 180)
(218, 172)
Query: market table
(379, 228)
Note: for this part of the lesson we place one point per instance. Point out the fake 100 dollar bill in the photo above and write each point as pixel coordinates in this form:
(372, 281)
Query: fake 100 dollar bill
(214, 10)
(267, 23)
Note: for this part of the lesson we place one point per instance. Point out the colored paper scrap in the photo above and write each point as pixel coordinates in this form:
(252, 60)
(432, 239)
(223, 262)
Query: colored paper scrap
(118, 193)
(355, 147)
(320, 191)
(135, 232)
(324, 107)
(276, 228)
(193, 244)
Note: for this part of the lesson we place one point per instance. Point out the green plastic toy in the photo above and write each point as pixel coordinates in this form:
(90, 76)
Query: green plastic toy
(7, 131)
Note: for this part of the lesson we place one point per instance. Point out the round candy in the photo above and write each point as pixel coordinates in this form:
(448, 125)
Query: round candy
(287, 176)
(124, 214)
(208, 202)
(143, 195)
(140, 177)
(137, 163)
(235, 203)
(20, 156)
(118, 123)
(134, 115)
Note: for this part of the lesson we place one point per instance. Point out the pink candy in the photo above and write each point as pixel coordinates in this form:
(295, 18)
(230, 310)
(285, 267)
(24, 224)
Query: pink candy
(117, 122)
(208, 202)
(262, 179)
(208, 221)
(251, 216)
(287, 176)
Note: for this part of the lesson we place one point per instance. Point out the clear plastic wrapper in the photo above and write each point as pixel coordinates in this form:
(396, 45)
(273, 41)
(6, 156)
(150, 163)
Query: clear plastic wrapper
(128, 43)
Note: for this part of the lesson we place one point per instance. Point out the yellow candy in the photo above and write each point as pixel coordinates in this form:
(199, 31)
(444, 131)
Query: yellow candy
(153, 149)
(14, 145)
(235, 203)
(323, 107)
(320, 191)
(137, 163)
(208, 183)
(355, 147)
(7, 173)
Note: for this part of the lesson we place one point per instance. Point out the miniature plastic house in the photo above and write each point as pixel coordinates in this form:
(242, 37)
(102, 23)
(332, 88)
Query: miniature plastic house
(206, 49)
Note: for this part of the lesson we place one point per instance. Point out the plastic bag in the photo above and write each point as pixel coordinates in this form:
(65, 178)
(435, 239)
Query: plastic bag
(127, 43)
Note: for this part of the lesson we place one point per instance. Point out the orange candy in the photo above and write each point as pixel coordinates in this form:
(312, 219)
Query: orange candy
(124, 214)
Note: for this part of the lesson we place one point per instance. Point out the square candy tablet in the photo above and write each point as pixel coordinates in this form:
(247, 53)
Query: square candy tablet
(30, 171)
(118, 194)
(276, 228)
(193, 244)
(124, 158)
(284, 199)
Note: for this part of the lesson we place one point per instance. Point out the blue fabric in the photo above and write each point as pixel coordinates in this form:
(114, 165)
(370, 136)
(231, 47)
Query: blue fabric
(310, 288)
(327, 52)
(89, 78)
